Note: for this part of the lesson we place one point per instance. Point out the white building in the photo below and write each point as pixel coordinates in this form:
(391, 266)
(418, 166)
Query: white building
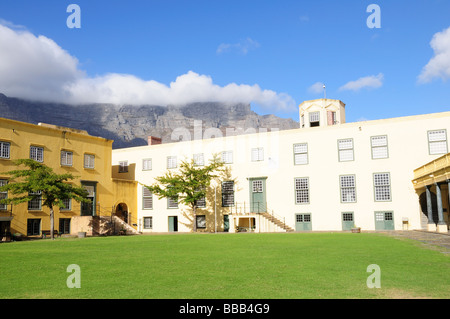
(327, 175)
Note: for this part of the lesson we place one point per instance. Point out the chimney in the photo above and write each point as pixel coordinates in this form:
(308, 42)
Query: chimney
(152, 140)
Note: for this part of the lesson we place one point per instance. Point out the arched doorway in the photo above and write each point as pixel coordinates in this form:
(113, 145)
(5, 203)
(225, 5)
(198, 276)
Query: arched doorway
(122, 212)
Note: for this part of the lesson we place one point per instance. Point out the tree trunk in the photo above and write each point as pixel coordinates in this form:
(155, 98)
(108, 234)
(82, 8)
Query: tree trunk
(52, 224)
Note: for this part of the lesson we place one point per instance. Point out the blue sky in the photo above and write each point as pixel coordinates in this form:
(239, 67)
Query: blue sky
(273, 54)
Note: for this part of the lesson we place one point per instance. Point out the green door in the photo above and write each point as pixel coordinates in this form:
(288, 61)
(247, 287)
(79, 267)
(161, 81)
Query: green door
(384, 221)
(173, 223)
(257, 195)
(347, 221)
(303, 222)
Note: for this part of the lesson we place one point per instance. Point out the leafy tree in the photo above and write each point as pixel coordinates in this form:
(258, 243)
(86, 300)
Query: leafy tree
(189, 184)
(40, 180)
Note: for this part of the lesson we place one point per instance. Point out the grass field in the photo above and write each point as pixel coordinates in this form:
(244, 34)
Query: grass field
(222, 266)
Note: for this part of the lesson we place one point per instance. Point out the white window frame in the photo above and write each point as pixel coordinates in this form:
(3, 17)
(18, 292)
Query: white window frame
(32, 203)
(147, 222)
(147, 164)
(314, 117)
(227, 193)
(437, 142)
(37, 153)
(89, 161)
(199, 159)
(301, 154)
(171, 162)
(302, 190)
(5, 150)
(257, 154)
(3, 195)
(379, 145)
(382, 187)
(123, 166)
(227, 157)
(347, 184)
(147, 198)
(346, 150)
(66, 158)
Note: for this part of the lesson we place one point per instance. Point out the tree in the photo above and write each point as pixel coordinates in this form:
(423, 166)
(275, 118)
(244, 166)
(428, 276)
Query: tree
(189, 184)
(39, 181)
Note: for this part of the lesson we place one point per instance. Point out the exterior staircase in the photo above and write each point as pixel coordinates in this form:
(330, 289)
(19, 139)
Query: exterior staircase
(275, 220)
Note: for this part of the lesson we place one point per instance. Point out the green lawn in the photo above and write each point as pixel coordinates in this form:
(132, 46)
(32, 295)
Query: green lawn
(219, 266)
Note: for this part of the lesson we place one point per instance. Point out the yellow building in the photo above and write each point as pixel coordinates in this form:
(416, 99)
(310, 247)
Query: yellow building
(65, 150)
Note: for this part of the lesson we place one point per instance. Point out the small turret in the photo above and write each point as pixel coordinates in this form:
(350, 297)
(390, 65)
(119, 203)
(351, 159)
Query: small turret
(321, 112)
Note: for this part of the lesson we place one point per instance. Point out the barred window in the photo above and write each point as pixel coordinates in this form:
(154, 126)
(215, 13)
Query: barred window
(300, 154)
(147, 164)
(302, 190)
(199, 159)
(89, 161)
(227, 194)
(379, 146)
(257, 154)
(37, 153)
(345, 148)
(67, 204)
(5, 149)
(3, 195)
(437, 142)
(227, 157)
(348, 188)
(66, 158)
(148, 222)
(347, 217)
(147, 198)
(171, 162)
(382, 185)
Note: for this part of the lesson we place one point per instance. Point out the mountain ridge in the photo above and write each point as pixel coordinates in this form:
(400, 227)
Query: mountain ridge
(130, 125)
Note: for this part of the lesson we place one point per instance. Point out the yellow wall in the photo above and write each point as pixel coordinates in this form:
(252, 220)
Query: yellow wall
(55, 139)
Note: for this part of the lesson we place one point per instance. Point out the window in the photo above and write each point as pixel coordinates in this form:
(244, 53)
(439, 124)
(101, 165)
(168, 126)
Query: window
(257, 154)
(227, 194)
(64, 225)
(37, 153)
(123, 167)
(379, 146)
(147, 164)
(300, 154)
(382, 186)
(171, 162)
(5, 149)
(148, 222)
(227, 157)
(302, 190)
(172, 202)
(348, 189)
(35, 202)
(201, 221)
(199, 159)
(67, 204)
(3, 195)
(66, 158)
(345, 148)
(33, 227)
(89, 161)
(314, 119)
(147, 198)
(257, 186)
(347, 217)
(437, 142)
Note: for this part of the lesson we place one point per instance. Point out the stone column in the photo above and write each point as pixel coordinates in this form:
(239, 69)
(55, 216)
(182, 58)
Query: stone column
(441, 226)
(431, 226)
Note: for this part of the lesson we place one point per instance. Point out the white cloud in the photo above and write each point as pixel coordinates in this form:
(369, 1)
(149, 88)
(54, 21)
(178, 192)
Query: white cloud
(439, 64)
(241, 47)
(316, 88)
(372, 81)
(37, 68)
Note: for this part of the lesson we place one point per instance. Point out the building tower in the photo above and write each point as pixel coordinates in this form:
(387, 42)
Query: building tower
(321, 112)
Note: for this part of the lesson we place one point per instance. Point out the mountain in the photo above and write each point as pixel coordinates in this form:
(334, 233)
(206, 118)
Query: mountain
(130, 125)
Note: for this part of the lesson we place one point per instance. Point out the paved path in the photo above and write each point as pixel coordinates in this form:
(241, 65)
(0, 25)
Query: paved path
(439, 241)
